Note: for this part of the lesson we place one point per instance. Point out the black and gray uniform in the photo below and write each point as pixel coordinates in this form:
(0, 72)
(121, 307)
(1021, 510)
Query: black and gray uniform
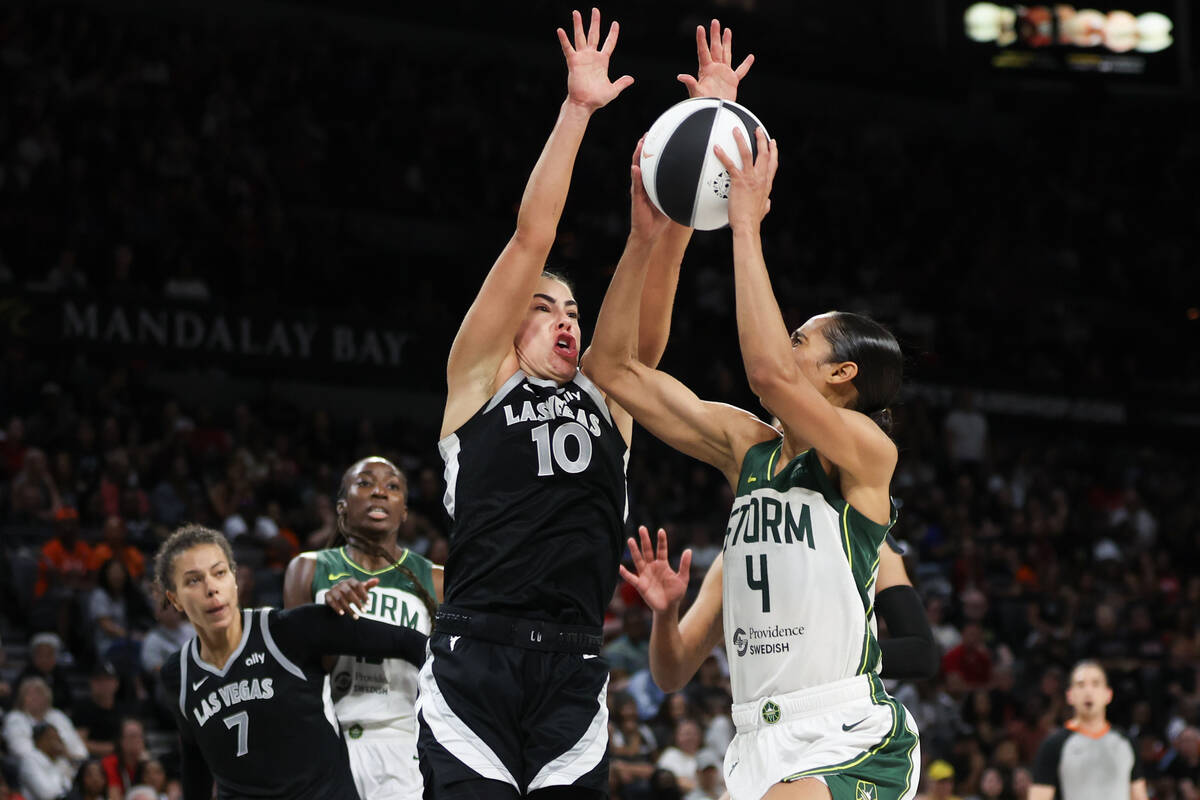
(1082, 766)
(513, 694)
(258, 726)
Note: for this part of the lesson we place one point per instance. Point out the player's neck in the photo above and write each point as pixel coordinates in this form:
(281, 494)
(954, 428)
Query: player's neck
(389, 553)
(216, 646)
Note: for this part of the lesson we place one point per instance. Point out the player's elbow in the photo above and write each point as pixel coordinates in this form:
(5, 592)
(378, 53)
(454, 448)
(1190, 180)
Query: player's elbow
(669, 678)
(770, 381)
(604, 367)
(534, 235)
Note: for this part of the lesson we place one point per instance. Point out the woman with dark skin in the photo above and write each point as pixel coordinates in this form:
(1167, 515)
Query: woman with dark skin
(365, 572)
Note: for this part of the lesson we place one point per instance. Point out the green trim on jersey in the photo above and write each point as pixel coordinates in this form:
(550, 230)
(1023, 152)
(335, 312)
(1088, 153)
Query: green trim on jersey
(334, 565)
(888, 766)
(861, 536)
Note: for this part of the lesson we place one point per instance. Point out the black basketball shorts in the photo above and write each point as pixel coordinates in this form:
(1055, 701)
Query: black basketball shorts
(527, 719)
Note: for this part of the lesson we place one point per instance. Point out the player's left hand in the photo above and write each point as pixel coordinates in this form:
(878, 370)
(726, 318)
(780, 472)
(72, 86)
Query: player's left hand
(588, 85)
(644, 218)
(750, 186)
(715, 74)
(350, 595)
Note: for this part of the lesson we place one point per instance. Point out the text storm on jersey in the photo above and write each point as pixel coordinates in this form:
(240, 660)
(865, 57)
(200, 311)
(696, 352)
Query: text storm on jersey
(769, 516)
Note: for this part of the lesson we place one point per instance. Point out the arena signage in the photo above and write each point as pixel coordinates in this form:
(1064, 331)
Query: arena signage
(201, 333)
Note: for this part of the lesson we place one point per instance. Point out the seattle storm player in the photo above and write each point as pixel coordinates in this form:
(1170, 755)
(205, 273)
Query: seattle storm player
(250, 712)
(370, 575)
(512, 697)
(811, 511)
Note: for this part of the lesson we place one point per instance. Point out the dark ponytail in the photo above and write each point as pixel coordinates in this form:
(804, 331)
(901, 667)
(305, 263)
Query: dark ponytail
(342, 535)
(858, 338)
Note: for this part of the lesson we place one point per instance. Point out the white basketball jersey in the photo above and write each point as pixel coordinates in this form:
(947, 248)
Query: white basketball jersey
(799, 579)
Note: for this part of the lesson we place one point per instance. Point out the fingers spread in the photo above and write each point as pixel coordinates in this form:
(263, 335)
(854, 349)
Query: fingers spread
(685, 564)
(610, 41)
(727, 47)
(593, 37)
(662, 545)
(714, 41)
(564, 42)
(744, 67)
(702, 53)
(638, 563)
(580, 38)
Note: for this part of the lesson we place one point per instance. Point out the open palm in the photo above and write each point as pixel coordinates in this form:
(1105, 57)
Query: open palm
(587, 63)
(715, 73)
(659, 585)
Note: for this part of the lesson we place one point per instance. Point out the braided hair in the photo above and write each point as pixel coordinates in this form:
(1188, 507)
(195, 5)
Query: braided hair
(342, 534)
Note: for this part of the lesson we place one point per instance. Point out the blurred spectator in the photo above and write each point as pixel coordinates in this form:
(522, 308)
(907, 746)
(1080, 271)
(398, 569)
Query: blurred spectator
(632, 748)
(710, 784)
(90, 783)
(44, 650)
(969, 665)
(98, 718)
(152, 774)
(46, 772)
(940, 782)
(122, 766)
(113, 608)
(1182, 761)
(966, 431)
(34, 493)
(630, 651)
(680, 758)
(170, 634)
(115, 546)
(32, 706)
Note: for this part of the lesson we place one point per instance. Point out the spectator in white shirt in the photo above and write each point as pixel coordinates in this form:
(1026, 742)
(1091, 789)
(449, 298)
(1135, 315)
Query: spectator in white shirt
(680, 758)
(46, 772)
(33, 706)
(710, 785)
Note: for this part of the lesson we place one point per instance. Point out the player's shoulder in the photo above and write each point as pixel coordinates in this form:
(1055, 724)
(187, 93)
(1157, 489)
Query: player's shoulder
(1056, 739)
(170, 673)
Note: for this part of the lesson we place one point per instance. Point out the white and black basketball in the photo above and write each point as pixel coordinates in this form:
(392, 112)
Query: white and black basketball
(683, 178)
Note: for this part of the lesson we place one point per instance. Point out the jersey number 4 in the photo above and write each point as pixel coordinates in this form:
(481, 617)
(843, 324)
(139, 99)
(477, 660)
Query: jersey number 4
(759, 584)
(556, 446)
(241, 721)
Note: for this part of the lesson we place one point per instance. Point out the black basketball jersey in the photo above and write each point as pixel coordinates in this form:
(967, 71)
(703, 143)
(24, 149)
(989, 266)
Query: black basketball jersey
(535, 484)
(260, 723)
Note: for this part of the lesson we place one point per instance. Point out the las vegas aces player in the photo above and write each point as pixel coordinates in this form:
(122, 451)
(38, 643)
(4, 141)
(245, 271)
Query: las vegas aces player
(249, 685)
(512, 698)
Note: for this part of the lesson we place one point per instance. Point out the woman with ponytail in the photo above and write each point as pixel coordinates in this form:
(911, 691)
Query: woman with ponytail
(365, 572)
(793, 593)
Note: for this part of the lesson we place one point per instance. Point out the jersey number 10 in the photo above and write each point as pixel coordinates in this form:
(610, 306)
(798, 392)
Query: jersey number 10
(556, 446)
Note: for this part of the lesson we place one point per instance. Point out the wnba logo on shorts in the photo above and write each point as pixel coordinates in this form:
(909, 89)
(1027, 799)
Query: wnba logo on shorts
(771, 715)
(740, 641)
(866, 791)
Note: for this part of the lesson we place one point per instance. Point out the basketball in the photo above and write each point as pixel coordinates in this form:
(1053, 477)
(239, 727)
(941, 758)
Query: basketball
(683, 178)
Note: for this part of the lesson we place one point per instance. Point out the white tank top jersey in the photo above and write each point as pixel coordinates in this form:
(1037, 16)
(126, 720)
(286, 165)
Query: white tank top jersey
(799, 579)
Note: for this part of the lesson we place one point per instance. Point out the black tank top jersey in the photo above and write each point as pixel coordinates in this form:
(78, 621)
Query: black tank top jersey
(260, 724)
(535, 485)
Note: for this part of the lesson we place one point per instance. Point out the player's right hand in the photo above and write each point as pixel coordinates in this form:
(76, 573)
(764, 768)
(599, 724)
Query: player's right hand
(588, 85)
(350, 595)
(715, 75)
(660, 586)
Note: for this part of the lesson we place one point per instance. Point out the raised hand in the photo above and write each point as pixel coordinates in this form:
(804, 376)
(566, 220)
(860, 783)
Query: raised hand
(644, 218)
(715, 76)
(659, 585)
(587, 66)
(750, 186)
(350, 595)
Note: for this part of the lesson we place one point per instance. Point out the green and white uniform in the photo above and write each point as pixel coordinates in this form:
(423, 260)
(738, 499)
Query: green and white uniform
(799, 585)
(373, 699)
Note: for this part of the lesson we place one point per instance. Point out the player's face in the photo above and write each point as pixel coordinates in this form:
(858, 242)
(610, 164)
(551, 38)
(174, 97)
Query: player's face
(1089, 693)
(375, 498)
(547, 342)
(205, 589)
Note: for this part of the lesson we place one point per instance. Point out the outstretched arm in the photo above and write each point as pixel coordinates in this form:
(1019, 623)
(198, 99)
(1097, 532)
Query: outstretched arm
(849, 439)
(715, 77)
(677, 647)
(312, 631)
(485, 337)
(715, 433)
